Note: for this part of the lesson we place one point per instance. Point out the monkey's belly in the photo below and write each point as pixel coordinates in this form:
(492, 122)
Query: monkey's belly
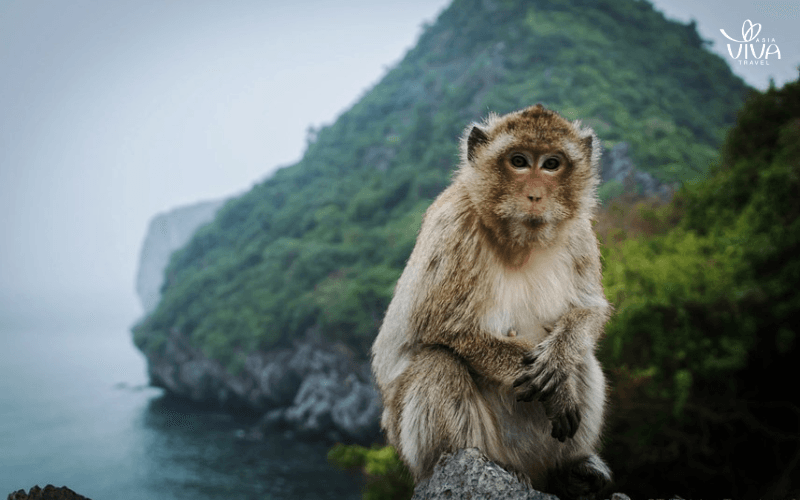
(505, 325)
(525, 444)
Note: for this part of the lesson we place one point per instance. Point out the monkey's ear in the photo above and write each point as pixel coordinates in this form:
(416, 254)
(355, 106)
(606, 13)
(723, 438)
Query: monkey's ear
(477, 137)
(587, 143)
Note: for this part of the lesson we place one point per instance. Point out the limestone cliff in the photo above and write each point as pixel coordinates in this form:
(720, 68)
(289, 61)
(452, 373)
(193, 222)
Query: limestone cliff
(617, 167)
(168, 232)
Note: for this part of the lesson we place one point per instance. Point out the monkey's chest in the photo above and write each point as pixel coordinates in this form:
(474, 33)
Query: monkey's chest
(528, 302)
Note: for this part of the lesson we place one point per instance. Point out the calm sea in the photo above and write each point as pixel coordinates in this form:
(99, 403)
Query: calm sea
(75, 411)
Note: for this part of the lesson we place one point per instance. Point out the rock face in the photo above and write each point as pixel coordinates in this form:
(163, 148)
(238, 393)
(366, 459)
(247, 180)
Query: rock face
(49, 492)
(616, 165)
(314, 389)
(469, 474)
(167, 233)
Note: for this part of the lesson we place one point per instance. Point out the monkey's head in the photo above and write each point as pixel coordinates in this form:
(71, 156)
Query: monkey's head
(529, 172)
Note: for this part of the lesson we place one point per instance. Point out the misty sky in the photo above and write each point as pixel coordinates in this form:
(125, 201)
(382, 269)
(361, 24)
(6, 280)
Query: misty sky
(111, 112)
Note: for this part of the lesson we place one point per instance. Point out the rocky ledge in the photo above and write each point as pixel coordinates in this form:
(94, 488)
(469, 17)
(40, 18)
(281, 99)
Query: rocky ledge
(49, 492)
(314, 389)
(469, 474)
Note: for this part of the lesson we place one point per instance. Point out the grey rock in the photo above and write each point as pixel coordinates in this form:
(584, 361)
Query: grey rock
(358, 413)
(314, 389)
(311, 412)
(277, 383)
(309, 358)
(469, 474)
(617, 165)
(197, 375)
(49, 492)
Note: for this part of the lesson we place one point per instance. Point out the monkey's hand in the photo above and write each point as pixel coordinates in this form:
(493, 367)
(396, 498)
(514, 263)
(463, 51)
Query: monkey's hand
(550, 382)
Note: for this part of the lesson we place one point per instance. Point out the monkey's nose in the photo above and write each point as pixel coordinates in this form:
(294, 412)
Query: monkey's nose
(534, 198)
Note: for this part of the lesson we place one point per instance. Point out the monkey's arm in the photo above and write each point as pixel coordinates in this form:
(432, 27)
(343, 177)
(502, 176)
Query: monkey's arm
(572, 338)
(553, 370)
(448, 316)
(497, 360)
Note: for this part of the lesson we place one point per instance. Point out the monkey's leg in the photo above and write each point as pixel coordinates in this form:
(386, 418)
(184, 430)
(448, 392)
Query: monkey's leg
(440, 409)
(555, 371)
(582, 473)
(584, 478)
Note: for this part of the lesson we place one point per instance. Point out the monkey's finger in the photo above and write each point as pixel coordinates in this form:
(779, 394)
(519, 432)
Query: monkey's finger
(566, 426)
(574, 419)
(577, 419)
(522, 379)
(523, 390)
(530, 357)
(559, 430)
(546, 392)
(539, 376)
(525, 398)
(527, 395)
(548, 384)
(556, 432)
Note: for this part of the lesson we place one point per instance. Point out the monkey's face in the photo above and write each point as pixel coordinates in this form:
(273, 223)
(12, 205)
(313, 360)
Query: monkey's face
(532, 196)
(528, 173)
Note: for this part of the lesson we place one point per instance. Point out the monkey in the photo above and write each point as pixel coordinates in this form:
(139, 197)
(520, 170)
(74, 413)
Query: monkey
(489, 339)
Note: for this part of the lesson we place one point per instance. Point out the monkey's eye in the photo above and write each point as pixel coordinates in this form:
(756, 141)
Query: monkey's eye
(551, 164)
(519, 161)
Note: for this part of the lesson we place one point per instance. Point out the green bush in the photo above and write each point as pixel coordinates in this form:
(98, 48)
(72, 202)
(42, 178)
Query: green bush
(707, 312)
(386, 476)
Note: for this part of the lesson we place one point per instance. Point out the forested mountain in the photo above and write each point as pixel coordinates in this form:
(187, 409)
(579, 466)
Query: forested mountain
(319, 245)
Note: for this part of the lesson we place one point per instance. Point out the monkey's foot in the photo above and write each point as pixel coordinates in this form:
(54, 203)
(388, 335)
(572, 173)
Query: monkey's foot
(545, 382)
(584, 479)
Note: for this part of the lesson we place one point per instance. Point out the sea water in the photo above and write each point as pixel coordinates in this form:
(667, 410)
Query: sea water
(76, 411)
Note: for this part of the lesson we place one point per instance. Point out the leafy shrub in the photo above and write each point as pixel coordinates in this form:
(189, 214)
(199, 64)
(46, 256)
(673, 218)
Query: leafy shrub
(705, 313)
(387, 477)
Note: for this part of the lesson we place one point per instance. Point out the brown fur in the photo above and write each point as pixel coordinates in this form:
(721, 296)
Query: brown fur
(489, 340)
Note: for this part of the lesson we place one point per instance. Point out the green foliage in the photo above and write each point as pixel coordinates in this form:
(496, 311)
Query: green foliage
(320, 243)
(387, 477)
(692, 303)
(609, 190)
(676, 310)
(707, 312)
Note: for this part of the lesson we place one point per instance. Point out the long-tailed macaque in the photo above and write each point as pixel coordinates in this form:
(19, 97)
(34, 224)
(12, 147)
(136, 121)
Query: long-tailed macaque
(489, 340)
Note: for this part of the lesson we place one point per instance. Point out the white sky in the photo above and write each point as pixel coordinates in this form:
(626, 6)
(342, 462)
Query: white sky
(111, 112)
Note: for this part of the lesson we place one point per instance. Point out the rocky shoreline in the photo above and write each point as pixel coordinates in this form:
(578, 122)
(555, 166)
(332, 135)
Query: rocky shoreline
(313, 389)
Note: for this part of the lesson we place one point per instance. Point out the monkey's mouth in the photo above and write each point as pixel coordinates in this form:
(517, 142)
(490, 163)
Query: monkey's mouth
(534, 222)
